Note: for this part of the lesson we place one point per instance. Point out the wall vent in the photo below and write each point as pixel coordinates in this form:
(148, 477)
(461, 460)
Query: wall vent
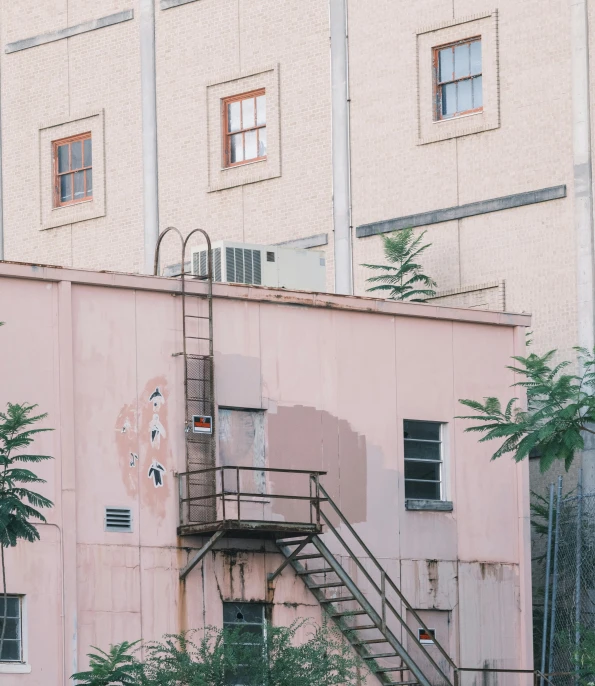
(243, 266)
(118, 519)
(199, 264)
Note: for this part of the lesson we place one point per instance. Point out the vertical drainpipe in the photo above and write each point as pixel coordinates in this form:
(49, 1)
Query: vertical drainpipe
(340, 148)
(149, 130)
(583, 198)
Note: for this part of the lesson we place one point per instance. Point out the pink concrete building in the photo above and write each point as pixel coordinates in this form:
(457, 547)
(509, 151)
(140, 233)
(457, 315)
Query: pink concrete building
(364, 391)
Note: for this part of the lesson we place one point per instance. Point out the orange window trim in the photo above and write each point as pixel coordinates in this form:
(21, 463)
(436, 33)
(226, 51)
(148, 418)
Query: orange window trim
(57, 175)
(225, 128)
(438, 84)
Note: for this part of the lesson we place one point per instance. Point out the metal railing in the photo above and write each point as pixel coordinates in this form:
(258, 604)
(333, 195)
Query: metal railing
(223, 490)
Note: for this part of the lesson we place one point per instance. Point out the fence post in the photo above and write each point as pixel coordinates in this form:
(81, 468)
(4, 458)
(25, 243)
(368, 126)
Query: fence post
(579, 560)
(555, 575)
(547, 584)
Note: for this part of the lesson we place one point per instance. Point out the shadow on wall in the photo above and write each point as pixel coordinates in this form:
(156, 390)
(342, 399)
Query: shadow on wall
(301, 437)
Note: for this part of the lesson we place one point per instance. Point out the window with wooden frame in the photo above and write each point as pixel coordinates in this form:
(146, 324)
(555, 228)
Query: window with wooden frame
(73, 170)
(423, 460)
(244, 128)
(458, 78)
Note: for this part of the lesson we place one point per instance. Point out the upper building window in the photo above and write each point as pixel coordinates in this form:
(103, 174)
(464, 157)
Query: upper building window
(423, 460)
(73, 170)
(12, 648)
(458, 79)
(244, 124)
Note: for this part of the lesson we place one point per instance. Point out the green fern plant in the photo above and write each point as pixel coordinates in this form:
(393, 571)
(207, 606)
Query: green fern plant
(118, 667)
(560, 409)
(403, 278)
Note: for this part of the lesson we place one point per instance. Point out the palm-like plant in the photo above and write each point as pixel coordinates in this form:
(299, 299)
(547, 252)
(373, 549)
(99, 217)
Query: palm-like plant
(560, 408)
(18, 504)
(117, 666)
(403, 278)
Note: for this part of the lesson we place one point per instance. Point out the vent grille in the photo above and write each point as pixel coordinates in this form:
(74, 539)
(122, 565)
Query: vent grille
(118, 519)
(199, 263)
(243, 266)
(270, 256)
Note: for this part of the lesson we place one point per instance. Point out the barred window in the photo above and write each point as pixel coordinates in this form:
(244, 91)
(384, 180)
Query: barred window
(12, 649)
(423, 460)
(458, 79)
(73, 170)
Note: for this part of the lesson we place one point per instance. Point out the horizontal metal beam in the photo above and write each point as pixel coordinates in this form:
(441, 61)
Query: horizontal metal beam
(306, 242)
(472, 209)
(201, 553)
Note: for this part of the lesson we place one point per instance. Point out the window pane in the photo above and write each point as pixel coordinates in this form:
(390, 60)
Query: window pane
(79, 185)
(233, 117)
(241, 613)
(426, 471)
(476, 57)
(63, 158)
(262, 142)
(422, 451)
(261, 110)
(251, 151)
(477, 92)
(449, 99)
(13, 607)
(445, 66)
(461, 60)
(66, 188)
(12, 628)
(237, 148)
(248, 119)
(88, 160)
(465, 97)
(419, 489)
(426, 431)
(11, 651)
(76, 152)
(89, 174)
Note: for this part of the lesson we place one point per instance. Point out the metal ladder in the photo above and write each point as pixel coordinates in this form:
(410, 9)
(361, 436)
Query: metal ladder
(199, 391)
(371, 620)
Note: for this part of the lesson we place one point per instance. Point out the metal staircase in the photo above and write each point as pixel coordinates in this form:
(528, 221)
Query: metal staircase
(364, 602)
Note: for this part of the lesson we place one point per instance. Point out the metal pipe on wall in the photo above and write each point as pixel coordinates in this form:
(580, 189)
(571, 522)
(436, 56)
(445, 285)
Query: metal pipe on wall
(547, 584)
(550, 665)
(149, 132)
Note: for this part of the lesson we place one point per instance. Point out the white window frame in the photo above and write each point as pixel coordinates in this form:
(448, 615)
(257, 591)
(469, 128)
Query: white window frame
(441, 462)
(22, 666)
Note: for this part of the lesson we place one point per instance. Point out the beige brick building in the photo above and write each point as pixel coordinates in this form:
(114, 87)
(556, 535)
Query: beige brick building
(361, 139)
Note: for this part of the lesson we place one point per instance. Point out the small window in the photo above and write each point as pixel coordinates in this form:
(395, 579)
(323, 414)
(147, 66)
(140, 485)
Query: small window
(458, 79)
(12, 649)
(244, 127)
(73, 170)
(423, 460)
(249, 617)
(426, 637)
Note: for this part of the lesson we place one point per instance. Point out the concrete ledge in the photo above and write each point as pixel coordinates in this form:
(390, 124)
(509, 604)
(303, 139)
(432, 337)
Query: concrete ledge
(167, 4)
(461, 211)
(92, 25)
(307, 242)
(428, 505)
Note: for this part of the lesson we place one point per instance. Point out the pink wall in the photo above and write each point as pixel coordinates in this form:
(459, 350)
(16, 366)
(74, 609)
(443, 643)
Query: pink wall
(335, 375)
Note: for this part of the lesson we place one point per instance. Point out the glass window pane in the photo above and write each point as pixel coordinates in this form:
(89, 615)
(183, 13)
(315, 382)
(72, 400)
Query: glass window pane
(425, 431)
(449, 99)
(79, 185)
(63, 162)
(13, 607)
(251, 613)
(262, 142)
(89, 174)
(12, 628)
(250, 139)
(477, 92)
(476, 57)
(465, 96)
(76, 155)
(248, 114)
(11, 651)
(88, 159)
(419, 489)
(426, 471)
(417, 450)
(66, 188)
(233, 117)
(445, 66)
(237, 148)
(461, 60)
(261, 110)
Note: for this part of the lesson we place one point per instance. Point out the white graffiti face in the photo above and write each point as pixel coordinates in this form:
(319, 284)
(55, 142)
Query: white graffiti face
(156, 430)
(156, 473)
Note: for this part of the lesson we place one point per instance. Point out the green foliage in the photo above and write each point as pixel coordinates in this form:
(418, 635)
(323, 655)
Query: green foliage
(223, 657)
(560, 407)
(402, 278)
(118, 666)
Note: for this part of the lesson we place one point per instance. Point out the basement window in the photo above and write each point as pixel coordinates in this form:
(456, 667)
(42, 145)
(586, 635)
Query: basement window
(249, 620)
(423, 460)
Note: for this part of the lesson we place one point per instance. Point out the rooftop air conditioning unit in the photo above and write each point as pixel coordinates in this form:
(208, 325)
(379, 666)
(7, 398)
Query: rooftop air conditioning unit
(263, 265)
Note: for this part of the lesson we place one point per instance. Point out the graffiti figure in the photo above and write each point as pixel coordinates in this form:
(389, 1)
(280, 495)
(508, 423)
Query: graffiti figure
(156, 471)
(157, 430)
(156, 398)
(133, 459)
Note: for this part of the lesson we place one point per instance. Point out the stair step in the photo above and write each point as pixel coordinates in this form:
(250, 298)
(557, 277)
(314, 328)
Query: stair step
(340, 599)
(330, 584)
(366, 641)
(294, 540)
(362, 627)
(379, 656)
(308, 557)
(383, 670)
(402, 683)
(324, 570)
(350, 613)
